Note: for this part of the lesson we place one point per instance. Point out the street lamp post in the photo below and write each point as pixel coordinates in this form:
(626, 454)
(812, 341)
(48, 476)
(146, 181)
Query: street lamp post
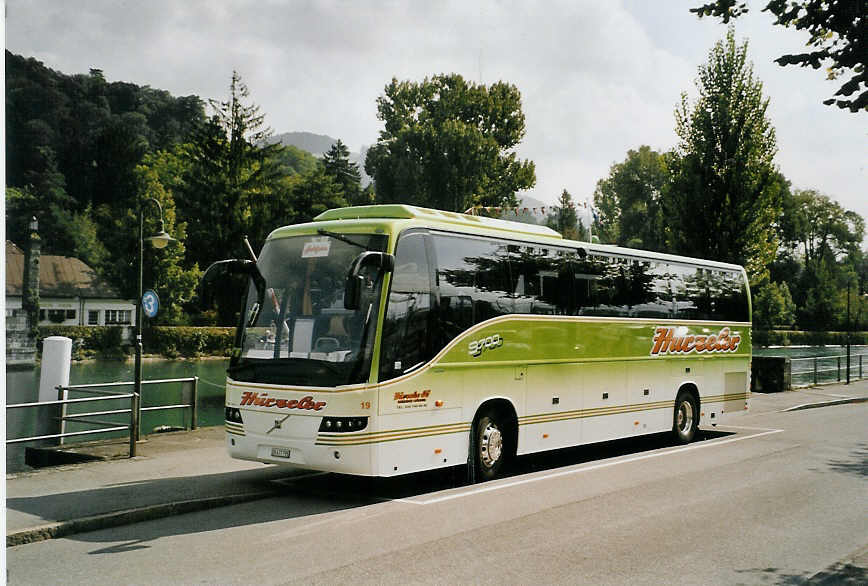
(849, 328)
(159, 240)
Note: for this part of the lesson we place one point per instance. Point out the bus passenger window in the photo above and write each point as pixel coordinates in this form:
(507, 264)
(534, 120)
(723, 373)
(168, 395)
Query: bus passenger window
(406, 342)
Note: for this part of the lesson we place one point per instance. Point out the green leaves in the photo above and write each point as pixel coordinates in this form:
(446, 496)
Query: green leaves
(446, 144)
(726, 193)
(630, 200)
(836, 32)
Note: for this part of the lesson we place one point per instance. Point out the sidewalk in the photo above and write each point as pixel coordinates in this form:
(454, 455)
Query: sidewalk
(188, 471)
(173, 473)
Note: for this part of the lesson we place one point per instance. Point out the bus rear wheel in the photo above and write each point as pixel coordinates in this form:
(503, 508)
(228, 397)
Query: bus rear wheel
(492, 444)
(686, 419)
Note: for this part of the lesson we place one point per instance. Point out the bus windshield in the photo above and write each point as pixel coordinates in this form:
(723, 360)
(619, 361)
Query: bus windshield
(302, 334)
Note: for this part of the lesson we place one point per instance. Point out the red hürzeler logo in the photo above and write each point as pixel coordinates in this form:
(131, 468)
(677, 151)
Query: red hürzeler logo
(667, 342)
(263, 400)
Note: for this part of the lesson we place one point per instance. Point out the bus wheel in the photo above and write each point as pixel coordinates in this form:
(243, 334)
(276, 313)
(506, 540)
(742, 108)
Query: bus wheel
(686, 419)
(491, 444)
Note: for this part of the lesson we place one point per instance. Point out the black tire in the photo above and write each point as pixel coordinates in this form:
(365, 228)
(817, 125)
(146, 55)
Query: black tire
(492, 444)
(685, 421)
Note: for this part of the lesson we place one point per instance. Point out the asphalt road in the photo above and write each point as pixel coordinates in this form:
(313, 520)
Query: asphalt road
(777, 498)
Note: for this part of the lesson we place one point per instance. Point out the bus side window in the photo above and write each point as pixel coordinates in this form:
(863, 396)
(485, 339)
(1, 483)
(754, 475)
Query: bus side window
(455, 278)
(406, 342)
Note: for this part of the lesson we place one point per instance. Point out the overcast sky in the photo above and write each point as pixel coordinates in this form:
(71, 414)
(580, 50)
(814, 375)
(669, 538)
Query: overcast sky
(596, 78)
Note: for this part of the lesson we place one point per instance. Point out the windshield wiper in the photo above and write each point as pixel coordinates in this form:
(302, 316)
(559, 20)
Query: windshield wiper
(341, 237)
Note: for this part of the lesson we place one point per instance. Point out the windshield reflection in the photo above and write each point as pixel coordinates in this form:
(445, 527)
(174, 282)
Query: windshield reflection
(302, 334)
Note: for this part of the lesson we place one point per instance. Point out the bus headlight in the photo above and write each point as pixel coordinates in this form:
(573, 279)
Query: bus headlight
(343, 424)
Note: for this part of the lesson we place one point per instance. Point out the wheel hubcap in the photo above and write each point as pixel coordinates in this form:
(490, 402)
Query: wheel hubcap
(490, 445)
(685, 417)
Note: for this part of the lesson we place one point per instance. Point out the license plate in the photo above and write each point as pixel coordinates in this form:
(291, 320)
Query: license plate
(280, 452)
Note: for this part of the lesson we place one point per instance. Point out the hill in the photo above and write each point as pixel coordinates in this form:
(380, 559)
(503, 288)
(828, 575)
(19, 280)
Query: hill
(316, 144)
(319, 144)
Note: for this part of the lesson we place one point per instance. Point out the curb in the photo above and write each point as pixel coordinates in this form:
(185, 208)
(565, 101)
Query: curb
(826, 404)
(118, 518)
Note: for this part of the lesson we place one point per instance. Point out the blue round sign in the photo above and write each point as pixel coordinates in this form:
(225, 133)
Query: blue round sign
(150, 303)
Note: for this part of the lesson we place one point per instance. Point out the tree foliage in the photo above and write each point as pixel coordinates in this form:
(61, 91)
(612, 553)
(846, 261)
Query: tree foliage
(449, 144)
(565, 219)
(724, 166)
(773, 306)
(345, 173)
(820, 227)
(630, 200)
(232, 179)
(837, 37)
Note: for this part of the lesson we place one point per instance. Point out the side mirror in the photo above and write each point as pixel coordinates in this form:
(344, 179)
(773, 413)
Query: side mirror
(355, 282)
(229, 267)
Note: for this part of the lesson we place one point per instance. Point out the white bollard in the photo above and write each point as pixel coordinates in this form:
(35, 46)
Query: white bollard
(56, 360)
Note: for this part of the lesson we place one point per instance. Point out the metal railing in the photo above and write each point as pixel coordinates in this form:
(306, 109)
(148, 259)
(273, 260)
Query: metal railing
(827, 369)
(189, 400)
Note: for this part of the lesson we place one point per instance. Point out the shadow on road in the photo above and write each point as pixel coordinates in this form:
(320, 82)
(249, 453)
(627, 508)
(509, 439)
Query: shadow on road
(299, 496)
(857, 466)
(841, 574)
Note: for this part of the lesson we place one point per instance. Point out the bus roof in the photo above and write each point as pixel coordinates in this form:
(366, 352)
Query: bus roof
(470, 224)
(408, 212)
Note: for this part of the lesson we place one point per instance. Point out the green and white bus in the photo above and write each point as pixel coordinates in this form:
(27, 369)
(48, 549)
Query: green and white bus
(390, 339)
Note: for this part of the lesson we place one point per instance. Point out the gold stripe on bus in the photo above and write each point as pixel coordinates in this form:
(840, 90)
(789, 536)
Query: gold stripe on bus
(374, 436)
(725, 398)
(351, 441)
(638, 406)
(599, 412)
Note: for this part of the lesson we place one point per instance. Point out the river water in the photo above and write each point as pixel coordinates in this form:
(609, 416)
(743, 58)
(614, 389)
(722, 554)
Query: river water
(830, 362)
(22, 386)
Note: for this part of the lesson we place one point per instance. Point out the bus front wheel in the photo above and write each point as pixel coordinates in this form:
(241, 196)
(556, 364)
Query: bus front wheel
(491, 444)
(686, 419)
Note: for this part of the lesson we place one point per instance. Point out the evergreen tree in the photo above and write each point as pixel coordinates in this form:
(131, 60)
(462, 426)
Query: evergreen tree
(231, 180)
(564, 219)
(346, 174)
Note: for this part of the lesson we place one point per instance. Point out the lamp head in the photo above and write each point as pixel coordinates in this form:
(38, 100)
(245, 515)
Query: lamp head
(161, 239)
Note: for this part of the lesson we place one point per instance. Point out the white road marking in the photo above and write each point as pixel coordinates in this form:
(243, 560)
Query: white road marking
(492, 486)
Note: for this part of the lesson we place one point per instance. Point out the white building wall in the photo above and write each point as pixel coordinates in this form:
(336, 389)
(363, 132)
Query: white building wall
(76, 311)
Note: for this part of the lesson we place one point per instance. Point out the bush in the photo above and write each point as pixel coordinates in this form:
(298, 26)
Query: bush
(804, 338)
(168, 341)
(189, 341)
(90, 341)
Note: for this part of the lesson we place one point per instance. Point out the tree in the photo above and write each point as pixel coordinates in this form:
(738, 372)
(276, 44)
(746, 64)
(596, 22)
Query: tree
(449, 144)
(826, 238)
(565, 220)
(233, 175)
(837, 36)
(773, 306)
(346, 174)
(726, 193)
(822, 228)
(630, 200)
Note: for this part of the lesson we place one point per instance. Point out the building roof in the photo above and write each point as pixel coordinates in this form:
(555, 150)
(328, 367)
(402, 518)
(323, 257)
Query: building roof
(59, 276)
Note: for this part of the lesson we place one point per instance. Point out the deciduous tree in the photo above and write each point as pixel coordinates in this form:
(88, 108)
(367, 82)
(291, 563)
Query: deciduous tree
(630, 200)
(726, 193)
(837, 38)
(449, 144)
